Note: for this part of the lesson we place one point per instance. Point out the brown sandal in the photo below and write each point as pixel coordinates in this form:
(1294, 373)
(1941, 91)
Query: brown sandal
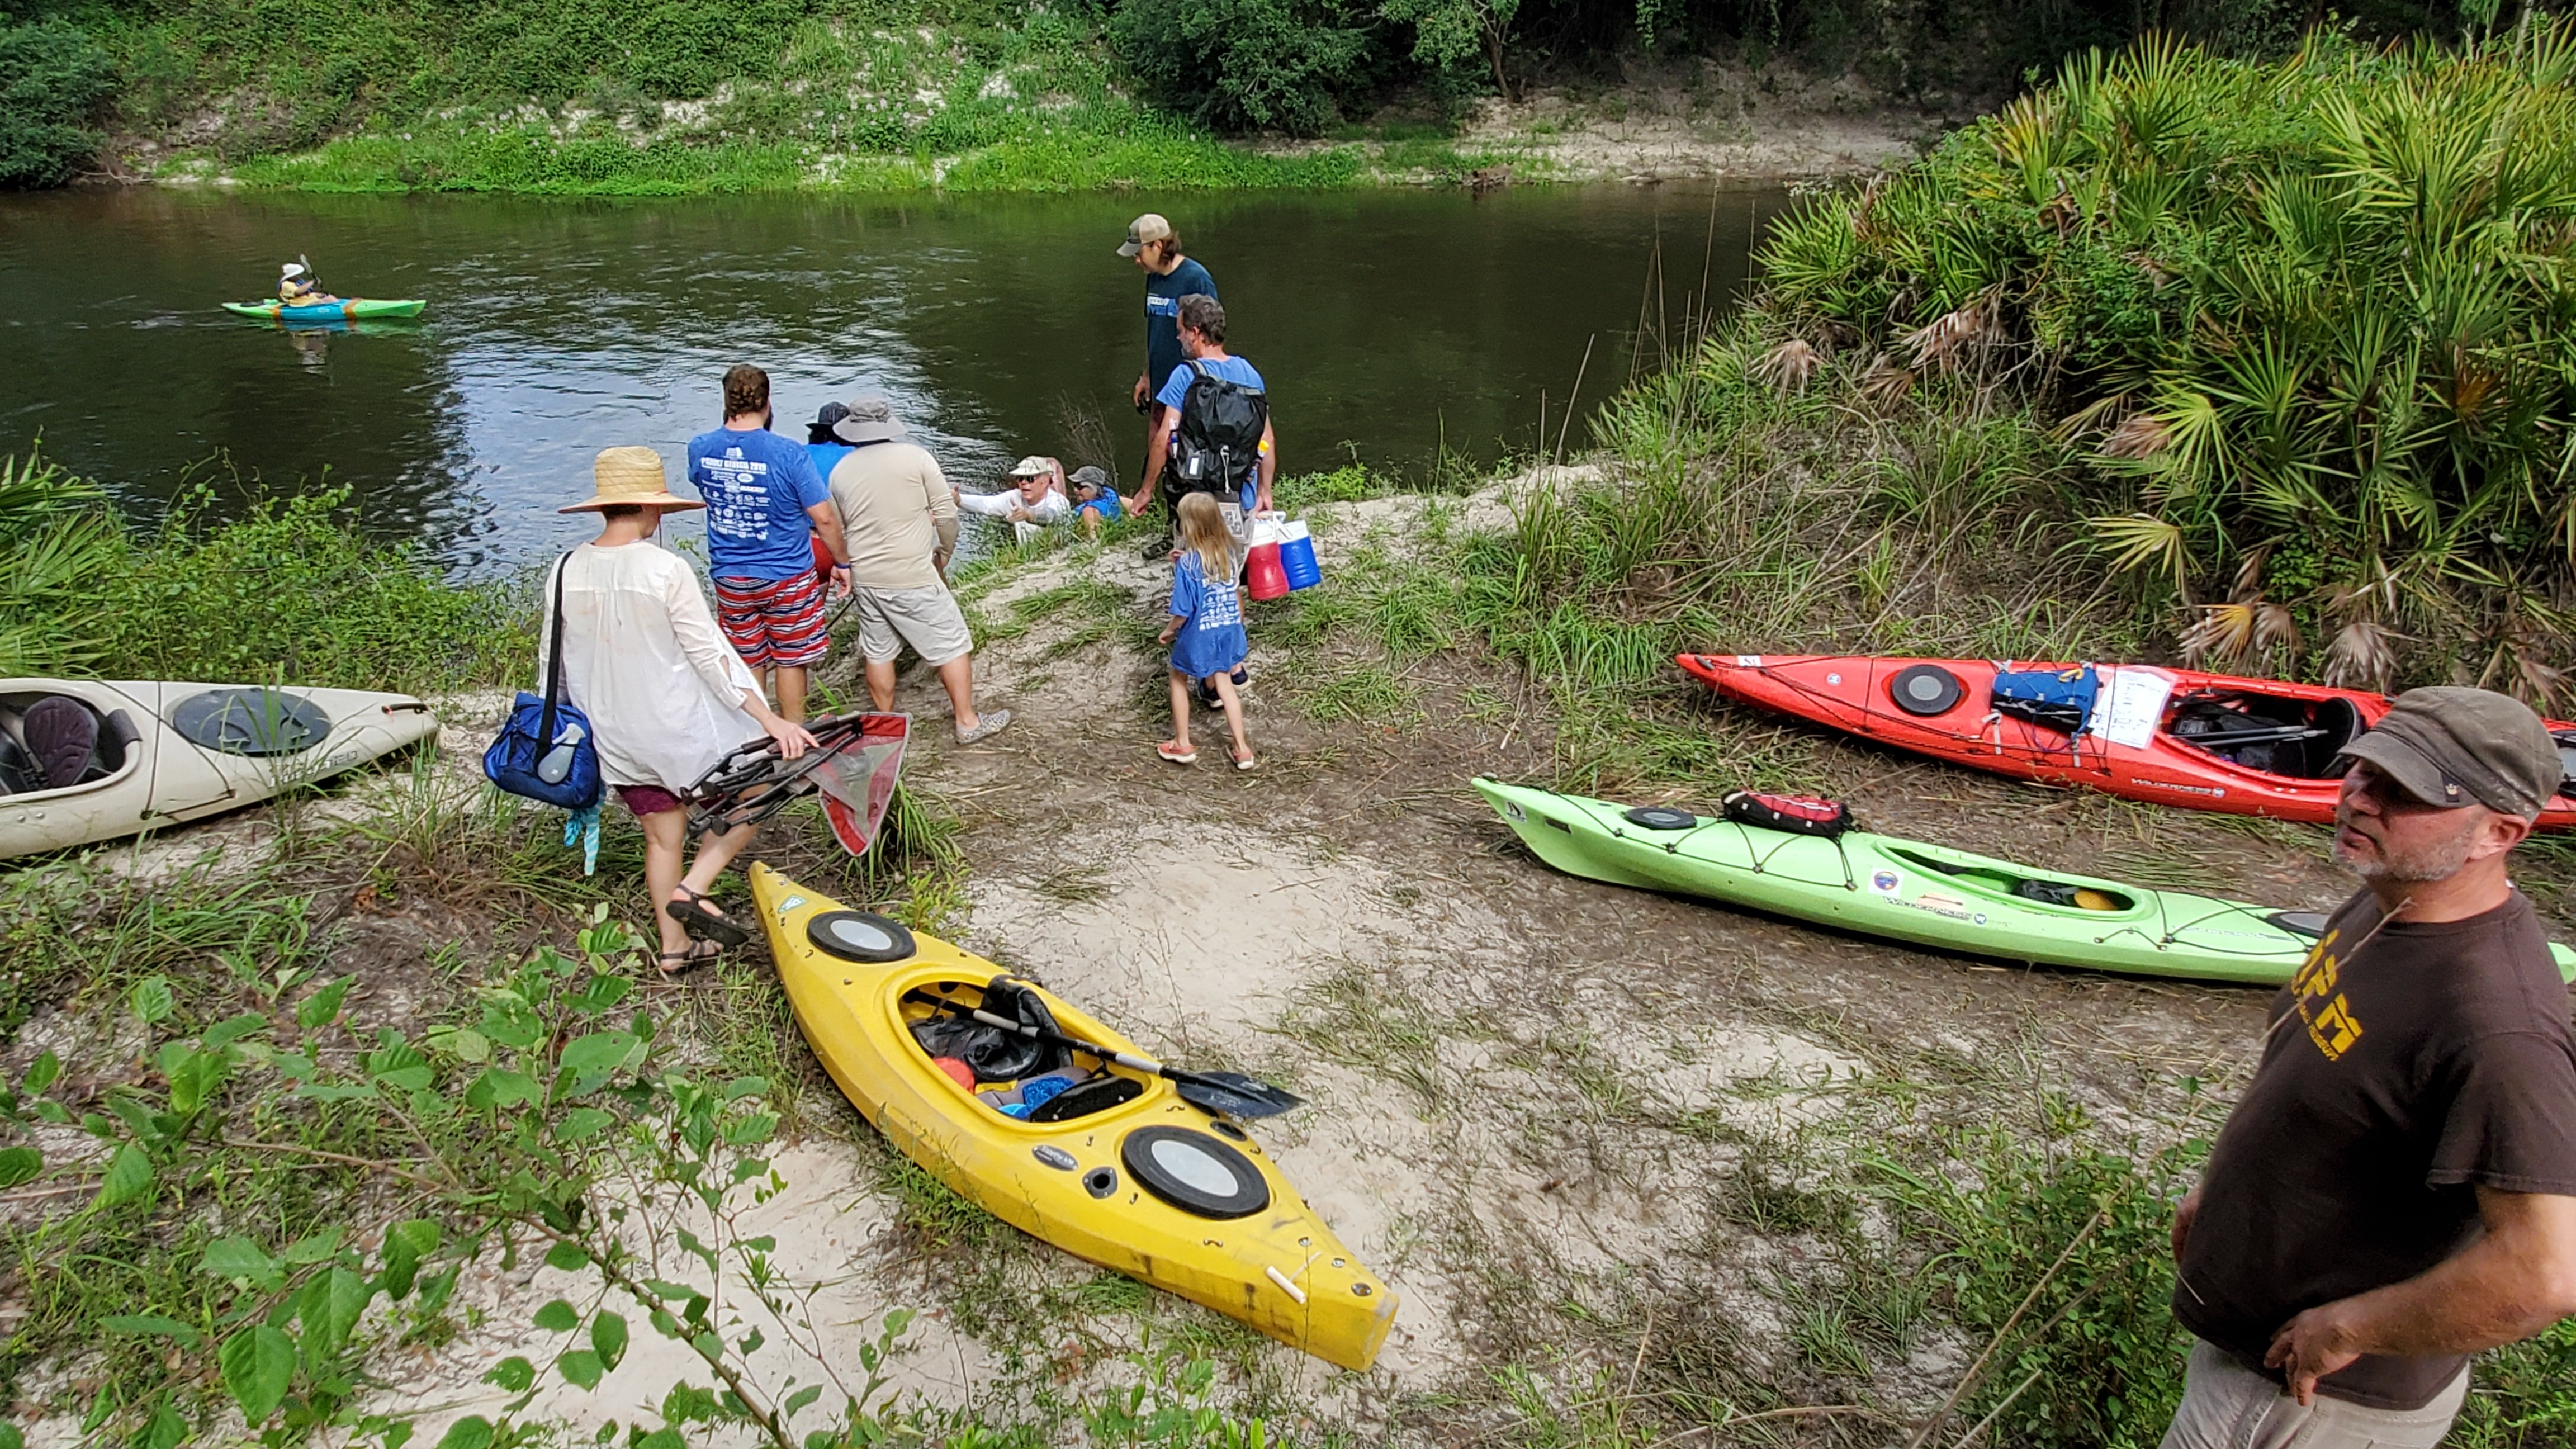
(676, 964)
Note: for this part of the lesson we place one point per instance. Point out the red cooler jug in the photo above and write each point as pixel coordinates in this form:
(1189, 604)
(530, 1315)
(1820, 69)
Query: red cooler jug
(1268, 579)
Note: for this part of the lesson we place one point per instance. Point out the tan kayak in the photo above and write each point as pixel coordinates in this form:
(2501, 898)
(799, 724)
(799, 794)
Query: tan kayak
(87, 760)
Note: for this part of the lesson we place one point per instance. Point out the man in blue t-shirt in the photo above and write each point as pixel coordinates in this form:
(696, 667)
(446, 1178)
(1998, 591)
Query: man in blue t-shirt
(1169, 276)
(1202, 330)
(765, 503)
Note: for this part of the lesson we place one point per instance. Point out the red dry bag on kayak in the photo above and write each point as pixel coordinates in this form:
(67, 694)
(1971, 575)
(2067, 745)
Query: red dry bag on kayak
(1796, 814)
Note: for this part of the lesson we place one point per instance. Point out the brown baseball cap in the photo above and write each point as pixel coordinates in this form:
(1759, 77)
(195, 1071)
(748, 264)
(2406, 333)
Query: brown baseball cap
(1147, 228)
(2452, 747)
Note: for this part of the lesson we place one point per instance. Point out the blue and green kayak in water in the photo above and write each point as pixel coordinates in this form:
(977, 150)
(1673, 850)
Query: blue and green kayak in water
(347, 309)
(1924, 895)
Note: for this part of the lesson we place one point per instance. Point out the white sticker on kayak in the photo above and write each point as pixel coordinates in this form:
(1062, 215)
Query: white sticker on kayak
(789, 904)
(1513, 810)
(2130, 706)
(1885, 882)
(1748, 661)
(1939, 905)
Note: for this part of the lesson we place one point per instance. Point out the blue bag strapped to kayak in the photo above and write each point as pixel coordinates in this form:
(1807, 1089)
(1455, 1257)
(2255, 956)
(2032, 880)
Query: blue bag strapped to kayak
(2059, 699)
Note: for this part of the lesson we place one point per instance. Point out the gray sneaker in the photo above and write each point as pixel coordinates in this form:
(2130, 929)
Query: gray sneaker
(988, 724)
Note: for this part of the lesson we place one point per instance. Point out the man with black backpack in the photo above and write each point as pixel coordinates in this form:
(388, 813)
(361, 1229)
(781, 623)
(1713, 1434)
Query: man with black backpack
(1220, 441)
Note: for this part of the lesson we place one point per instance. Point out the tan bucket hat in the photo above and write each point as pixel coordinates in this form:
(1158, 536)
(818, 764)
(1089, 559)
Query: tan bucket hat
(629, 475)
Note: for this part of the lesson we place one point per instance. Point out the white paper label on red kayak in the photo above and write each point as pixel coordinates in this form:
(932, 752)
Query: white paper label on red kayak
(1748, 661)
(2130, 706)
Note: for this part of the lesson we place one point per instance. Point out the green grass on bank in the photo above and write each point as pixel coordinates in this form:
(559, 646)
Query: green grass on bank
(1156, 156)
(290, 592)
(1023, 103)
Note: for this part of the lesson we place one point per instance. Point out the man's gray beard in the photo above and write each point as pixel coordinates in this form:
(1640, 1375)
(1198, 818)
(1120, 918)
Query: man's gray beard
(2438, 861)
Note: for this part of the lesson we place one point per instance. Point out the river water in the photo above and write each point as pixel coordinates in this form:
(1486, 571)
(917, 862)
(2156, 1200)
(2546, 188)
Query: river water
(1390, 325)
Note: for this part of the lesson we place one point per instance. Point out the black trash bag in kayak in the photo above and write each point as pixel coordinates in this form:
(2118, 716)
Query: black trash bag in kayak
(995, 1055)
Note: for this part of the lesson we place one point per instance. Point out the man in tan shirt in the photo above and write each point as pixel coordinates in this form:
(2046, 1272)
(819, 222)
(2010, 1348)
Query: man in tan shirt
(899, 520)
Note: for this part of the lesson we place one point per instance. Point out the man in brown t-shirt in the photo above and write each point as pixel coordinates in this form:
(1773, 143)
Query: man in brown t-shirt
(2396, 1190)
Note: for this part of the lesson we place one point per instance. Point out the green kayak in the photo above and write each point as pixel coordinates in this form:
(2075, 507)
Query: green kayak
(1923, 894)
(346, 310)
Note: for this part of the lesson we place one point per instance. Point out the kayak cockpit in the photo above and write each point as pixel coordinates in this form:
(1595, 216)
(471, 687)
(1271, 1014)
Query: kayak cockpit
(54, 745)
(1995, 878)
(2267, 733)
(1007, 1076)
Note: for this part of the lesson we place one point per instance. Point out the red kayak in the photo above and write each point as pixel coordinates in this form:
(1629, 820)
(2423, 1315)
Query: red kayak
(2173, 736)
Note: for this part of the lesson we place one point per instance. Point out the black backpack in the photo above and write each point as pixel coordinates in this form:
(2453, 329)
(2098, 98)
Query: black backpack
(1218, 446)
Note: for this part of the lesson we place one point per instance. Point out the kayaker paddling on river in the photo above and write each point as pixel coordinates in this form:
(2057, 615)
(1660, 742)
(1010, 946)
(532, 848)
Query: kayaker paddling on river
(765, 506)
(1169, 276)
(2396, 1189)
(296, 287)
(666, 695)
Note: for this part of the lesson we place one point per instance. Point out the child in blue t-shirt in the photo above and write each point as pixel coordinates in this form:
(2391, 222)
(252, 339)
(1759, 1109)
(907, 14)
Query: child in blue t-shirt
(1206, 629)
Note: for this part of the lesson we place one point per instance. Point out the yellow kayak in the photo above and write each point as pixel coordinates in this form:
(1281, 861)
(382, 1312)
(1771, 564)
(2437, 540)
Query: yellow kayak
(1131, 1177)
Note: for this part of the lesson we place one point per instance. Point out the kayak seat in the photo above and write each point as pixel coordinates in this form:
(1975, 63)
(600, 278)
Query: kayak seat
(18, 773)
(2339, 724)
(58, 741)
(62, 736)
(117, 738)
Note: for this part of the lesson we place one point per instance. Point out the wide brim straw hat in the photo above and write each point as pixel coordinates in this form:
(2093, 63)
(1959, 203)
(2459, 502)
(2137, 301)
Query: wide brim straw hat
(629, 475)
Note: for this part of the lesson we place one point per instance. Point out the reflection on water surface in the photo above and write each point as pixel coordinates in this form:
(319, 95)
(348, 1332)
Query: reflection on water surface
(1389, 324)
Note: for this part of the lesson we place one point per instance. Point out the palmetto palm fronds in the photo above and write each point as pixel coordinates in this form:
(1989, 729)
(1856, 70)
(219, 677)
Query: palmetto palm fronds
(1788, 366)
(2334, 296)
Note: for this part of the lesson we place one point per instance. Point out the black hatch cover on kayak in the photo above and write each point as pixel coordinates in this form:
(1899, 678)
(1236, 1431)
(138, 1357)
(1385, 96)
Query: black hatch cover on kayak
(859, 936)
(1924, 689)
(1194, 1172)
(254, 722)
(1661, 817)
(2310, 924)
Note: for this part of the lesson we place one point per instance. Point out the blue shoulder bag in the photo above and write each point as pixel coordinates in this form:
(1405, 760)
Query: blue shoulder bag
(544, 751)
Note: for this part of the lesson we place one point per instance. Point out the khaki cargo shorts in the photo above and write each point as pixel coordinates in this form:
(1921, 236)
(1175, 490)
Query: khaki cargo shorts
(928, 619)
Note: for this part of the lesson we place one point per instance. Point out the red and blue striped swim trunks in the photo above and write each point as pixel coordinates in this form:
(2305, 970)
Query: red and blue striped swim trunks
(773, 623)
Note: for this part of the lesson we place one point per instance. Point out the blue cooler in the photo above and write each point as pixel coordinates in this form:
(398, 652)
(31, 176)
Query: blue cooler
(1297, 557)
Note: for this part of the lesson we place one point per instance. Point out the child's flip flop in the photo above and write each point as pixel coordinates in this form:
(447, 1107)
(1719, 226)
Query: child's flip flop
(703, 924)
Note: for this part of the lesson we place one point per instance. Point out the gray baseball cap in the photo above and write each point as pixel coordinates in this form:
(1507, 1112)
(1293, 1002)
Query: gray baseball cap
(2452, 747)
(1089, 477)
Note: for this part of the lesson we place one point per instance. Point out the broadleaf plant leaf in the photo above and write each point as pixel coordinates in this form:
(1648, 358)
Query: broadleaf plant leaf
(258, 1365)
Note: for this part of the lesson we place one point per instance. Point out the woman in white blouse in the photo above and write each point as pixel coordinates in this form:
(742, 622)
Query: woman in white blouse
(667, 697)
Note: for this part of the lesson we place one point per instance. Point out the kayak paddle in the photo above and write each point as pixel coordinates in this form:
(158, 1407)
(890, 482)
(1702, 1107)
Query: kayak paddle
(1232, 1093)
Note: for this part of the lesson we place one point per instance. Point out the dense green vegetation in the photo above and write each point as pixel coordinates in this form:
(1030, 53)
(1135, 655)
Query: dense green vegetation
(52, 78)
(694, 95)
(288, 591)
(2309, 322)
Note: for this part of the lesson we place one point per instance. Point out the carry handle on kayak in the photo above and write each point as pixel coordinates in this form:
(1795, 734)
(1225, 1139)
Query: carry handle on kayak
(1232, 1093)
